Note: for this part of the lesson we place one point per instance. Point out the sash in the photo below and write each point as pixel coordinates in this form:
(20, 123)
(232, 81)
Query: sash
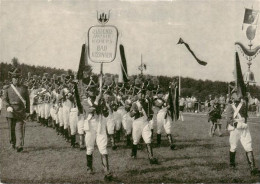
(19, 95)
(99, 128)
(236, 113)
(90, 103)
(141, 108)
(241, 124)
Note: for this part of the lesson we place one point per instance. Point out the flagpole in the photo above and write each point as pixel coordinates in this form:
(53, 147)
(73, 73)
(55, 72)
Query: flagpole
(179, 72)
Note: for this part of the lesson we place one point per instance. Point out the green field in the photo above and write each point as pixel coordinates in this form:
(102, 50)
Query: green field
(198, 158)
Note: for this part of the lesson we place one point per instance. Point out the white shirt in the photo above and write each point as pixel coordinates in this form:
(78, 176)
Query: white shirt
(182, 101)
(1, 102)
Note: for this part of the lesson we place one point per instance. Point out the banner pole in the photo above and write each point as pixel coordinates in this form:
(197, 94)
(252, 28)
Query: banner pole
(179, 73)
(101, 77)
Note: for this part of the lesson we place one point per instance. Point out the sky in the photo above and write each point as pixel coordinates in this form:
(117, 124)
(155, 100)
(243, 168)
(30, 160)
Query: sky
(51, 33)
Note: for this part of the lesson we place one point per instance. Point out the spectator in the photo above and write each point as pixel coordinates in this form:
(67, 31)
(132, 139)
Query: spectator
(214, 117)
(222, 102)
(1, 102)
(206, 104)
(189, 104)
(194, 103)
(181, 104)
(257, 103)
(228, 99)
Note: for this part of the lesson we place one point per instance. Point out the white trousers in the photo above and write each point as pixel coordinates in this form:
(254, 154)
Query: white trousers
(73, 120)
(163, 123)
(118, 115)
(47, 108)
(42, 110)
(111, 123)
(93, 134)
(127, 123)
(53, 113)
(153, 121)
(242, 135)
(31, 106)
(60, 116)
(66, 115)
(141, 128)
(80, 124)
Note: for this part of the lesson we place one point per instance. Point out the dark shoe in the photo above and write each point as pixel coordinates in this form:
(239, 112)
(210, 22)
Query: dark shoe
(108, 177)
(152, 134)
(73, 141)
(172, 147)
(251, 162)
(232, 157)
(81, 148)
(159, 139)
(89, 164)
(118, 136)
(150, 154)
(112, 138)
(153, 161)
(20, 149)
(128, 140)
(134, 151)
(255, 172)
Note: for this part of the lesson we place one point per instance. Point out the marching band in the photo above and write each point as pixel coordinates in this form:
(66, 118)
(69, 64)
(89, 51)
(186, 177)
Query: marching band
(98, 114)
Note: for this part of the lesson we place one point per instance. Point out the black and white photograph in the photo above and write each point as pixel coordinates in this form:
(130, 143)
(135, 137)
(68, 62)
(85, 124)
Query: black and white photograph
(129, 91)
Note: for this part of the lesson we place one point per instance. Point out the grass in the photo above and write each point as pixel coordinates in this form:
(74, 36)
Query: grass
(198, 158)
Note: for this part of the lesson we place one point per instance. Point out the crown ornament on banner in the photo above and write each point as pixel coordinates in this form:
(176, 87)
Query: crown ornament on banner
(103, 17)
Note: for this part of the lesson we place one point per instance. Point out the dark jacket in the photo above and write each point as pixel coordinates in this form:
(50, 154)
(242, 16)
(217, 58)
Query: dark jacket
(11, 99)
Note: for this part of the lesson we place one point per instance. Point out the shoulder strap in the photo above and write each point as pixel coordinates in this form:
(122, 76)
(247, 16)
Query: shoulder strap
(139, 105)
(236, 109)
(18, 94)
(89, 102)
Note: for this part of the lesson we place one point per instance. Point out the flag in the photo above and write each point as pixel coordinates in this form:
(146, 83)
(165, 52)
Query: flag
(188, 47)
(173, 100)
(83, 62)
(250, 16)
(124, 77)
(171, 103)
(240, 87)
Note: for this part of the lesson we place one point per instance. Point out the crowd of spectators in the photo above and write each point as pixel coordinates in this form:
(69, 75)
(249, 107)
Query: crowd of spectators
(194, 105)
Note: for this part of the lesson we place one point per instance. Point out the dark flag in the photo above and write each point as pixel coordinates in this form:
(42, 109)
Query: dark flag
(188, 47)
(83, 62)
(240, 87)
(231, 87)
(176, 103)
(123, 63)
(171, 102)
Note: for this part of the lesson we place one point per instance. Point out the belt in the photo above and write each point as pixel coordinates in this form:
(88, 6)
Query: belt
(73, 110)
(14, 103)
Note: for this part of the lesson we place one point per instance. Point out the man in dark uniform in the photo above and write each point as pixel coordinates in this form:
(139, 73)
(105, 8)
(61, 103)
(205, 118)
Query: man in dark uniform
(16, 99)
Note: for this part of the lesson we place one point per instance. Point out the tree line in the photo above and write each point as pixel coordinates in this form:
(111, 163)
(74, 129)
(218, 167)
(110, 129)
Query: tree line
(201, 89)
